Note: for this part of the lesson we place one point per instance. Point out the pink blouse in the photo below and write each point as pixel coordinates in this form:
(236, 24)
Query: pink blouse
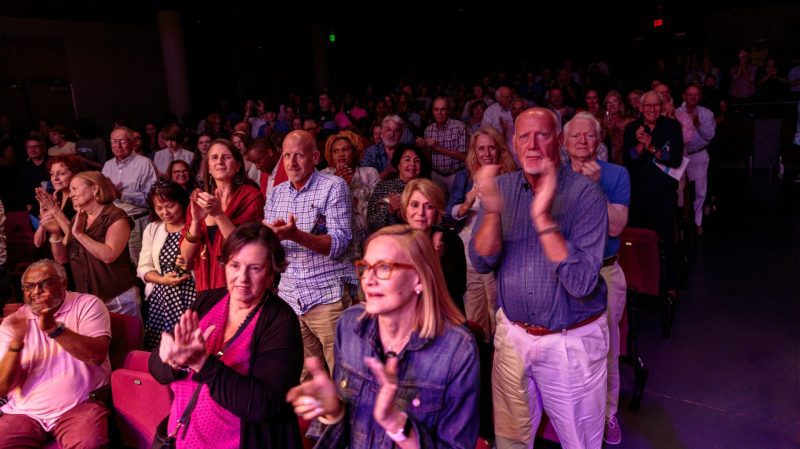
(211, 425)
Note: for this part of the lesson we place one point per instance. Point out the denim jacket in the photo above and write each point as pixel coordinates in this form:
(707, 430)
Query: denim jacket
(438, 386)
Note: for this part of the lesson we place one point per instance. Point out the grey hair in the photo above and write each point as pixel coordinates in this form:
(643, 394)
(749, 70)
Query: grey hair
(586, 116)
(656, 94)
(49, 263)
(393, 118)
(497, 92)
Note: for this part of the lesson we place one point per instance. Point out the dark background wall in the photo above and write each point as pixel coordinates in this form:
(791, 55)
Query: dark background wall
(60, 60)
(63, 69)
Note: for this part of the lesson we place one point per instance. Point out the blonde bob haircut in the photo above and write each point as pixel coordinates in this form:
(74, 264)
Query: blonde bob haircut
(105, 190)
(356, 141)
(504, 157)
(435, 308)
(432, 192)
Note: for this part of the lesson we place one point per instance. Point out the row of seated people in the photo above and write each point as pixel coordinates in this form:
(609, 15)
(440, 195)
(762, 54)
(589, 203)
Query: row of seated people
(312, 216)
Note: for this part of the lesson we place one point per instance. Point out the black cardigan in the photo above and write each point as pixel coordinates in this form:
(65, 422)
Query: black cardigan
(259, 399)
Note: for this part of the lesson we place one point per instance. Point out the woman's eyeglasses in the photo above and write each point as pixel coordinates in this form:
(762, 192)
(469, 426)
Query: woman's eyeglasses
(382, 268)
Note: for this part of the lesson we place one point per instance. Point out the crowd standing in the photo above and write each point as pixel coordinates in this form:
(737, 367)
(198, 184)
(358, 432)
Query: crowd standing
(362, 235)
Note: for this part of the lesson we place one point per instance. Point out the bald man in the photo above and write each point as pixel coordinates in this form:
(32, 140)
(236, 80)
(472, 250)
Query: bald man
(542, 230)
(311, 214)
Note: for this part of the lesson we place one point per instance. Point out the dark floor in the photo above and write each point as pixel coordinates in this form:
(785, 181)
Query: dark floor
(729, 377)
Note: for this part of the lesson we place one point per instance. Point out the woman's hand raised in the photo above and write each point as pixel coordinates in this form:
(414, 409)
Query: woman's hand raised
(187, 347)
(316, 397)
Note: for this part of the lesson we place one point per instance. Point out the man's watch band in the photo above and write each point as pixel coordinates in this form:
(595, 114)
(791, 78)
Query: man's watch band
(57, 331)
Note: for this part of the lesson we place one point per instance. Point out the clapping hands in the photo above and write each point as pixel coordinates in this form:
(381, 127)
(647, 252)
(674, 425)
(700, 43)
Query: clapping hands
(186, 347)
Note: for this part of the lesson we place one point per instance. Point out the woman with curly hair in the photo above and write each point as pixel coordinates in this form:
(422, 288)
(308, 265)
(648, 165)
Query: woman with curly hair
(343, 151)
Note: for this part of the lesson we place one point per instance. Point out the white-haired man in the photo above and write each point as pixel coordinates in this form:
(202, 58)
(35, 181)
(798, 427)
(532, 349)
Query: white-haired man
(582, 139)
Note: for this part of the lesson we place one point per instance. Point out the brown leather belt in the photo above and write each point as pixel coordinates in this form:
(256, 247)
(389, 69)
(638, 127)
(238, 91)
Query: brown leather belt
(608, 261)
(540, 330)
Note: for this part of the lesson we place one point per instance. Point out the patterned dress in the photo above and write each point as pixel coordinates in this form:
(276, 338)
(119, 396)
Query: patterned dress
(166, 303)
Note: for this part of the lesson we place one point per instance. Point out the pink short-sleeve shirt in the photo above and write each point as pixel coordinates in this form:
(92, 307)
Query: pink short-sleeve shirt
(52, 381)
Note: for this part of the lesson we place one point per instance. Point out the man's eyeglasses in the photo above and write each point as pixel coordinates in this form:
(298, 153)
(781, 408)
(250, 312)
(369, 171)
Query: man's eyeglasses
(651, 106)
(119, 141)
(46, 284)
(382, 268)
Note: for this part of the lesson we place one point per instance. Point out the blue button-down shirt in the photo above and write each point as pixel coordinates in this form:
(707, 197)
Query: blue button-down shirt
(375, 157)
(530, 287)
(133, 176)
(321, 206)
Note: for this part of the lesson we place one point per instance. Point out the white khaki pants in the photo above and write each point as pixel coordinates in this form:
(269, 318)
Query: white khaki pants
(617, 291)
(563, 374)
(126, 303)
(697, 171)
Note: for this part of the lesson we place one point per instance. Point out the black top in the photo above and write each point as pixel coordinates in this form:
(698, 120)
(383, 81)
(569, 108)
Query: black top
(454, 267)
(258, 399)
(647, 177)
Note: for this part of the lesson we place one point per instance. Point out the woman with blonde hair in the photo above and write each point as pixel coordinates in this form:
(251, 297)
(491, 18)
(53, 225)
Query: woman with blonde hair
(614, 123)
(486, 147)
(390, 379)
(96, 245)
(422, 208)
(343, 151)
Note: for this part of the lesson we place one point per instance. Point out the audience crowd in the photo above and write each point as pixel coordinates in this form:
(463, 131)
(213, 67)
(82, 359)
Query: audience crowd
(391, 241)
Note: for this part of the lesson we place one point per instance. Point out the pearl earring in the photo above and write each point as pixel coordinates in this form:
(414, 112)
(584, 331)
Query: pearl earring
(418, 291)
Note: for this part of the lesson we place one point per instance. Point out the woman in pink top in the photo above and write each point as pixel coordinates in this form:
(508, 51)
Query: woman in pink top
(242, 346)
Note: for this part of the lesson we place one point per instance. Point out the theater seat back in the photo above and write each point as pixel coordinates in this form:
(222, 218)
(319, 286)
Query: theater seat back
(140, 402)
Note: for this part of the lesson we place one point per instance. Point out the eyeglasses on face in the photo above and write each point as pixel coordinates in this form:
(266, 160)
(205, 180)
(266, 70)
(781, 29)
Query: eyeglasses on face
(119, 141)
(46, 284)
(382, 268)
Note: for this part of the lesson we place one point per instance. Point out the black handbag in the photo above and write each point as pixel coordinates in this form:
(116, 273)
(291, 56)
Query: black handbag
(163, 440)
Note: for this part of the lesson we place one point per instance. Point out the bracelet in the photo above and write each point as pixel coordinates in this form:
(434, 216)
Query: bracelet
(58, 240)
(549, 229)
(16, 348)
(191, 238)
(402, 434)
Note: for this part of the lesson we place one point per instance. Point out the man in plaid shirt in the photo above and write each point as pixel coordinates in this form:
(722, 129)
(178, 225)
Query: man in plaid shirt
(446, 139)
(311, 214)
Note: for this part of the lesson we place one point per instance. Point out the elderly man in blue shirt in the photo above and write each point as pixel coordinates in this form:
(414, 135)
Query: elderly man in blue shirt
(543, 230)
(311, 214)
(582, 140)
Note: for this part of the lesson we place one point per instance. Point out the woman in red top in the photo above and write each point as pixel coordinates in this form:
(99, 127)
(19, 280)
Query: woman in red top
(230, 199)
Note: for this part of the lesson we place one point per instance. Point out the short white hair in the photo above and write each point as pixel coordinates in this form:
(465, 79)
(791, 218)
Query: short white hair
(588, 117)
(48, 263)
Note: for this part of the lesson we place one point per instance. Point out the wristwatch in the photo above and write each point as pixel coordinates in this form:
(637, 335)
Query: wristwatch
(57, 331)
